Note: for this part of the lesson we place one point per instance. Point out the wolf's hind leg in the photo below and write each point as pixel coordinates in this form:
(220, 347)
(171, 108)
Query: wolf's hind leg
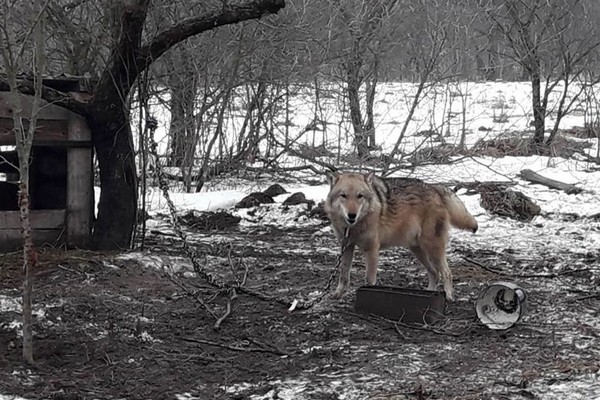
(345, 264)
(445, 275)
(433, 243)
(437, 258)
(432, 272)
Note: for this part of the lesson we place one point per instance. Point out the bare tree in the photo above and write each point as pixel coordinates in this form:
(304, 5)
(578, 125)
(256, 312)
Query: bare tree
(427, 45)
(544, 42)
(22, 48)
(108, 114)
(364, 28)
(237, 98)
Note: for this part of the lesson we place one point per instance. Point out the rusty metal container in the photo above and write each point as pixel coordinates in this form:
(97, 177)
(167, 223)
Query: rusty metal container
(403, 304)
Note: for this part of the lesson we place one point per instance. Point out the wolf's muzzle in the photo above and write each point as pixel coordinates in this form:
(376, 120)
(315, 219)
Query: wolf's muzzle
(351, 218)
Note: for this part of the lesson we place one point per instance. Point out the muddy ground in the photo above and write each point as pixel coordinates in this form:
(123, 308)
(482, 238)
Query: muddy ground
(142, 325)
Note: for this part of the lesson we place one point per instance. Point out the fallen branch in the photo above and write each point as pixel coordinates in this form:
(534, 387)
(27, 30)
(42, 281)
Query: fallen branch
(309, 167)
(582, 298)
(227, 311)
(189, 292)
(431, 329)
(428, 328)
(534, 177)
(480, 265)
(237, 348)
(550, 275)
(178, 356)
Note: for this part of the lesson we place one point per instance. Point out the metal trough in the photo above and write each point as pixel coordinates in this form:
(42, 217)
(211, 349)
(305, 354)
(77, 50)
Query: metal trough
(396, 303)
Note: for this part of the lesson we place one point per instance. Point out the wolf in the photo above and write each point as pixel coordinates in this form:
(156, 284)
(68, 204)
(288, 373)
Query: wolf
(375, 213)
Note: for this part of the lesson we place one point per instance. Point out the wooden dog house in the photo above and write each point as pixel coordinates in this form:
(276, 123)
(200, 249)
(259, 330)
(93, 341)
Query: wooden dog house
(61, 175)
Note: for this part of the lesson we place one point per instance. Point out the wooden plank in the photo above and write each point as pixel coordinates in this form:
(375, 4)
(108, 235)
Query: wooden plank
(46, 130)
(64, 144)
(40, 219)
(46, 111)
(80, 190)
(72, 85)
(10, 239)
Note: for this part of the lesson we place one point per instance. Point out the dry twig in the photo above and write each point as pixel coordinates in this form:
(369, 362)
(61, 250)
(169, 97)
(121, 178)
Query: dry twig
(236, 348)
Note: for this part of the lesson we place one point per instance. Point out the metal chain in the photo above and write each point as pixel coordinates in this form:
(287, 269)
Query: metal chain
(311, 303)
(195, 258)
(164, 187)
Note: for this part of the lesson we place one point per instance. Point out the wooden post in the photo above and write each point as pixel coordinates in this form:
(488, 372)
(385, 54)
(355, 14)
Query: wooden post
(80, 190)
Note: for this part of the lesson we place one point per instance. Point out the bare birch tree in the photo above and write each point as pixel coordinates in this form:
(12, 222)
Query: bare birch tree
(22, 48)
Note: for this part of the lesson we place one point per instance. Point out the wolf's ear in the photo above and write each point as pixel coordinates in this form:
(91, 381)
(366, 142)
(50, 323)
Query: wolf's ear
(332, 178)
(370, 177)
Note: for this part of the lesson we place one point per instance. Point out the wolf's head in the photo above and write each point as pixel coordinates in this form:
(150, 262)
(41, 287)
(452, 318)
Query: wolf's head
(351, 197)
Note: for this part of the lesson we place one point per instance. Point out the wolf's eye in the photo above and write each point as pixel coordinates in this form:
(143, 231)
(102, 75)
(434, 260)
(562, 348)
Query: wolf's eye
(343, 195)
(360, 195)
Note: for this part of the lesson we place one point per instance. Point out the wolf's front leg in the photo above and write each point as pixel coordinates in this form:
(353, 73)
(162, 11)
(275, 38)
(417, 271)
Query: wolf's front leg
(371, 259)
(345, 264)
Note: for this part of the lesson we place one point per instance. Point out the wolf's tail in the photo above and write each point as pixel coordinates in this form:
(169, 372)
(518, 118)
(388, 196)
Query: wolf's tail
(459, 216)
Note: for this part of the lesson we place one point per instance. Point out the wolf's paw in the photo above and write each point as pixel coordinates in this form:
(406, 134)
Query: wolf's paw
(338, 294)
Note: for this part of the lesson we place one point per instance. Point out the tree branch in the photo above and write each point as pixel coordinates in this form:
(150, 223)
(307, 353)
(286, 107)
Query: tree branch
(230, 14)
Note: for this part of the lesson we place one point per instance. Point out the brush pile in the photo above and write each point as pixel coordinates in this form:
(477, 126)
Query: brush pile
(500, 200)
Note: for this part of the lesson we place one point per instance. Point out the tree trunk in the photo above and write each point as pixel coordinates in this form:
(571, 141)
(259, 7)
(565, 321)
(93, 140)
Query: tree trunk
(108, 118)
(29, 262)
(107, 114)
(493, 68)
(248, 135)
(411, 112)
(370, 102)
(353, 87)
(360, 139)
(176, 128)
(353, 81)
(118, 197)
(183, 85)
(538, 108)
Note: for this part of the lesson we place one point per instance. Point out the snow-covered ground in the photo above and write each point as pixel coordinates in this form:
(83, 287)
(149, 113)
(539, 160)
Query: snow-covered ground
(483, 110)
(553, 233)
(547, 235)
(495, 232)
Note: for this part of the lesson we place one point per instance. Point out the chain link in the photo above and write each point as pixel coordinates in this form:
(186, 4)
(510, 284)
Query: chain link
(194, 257)
(311, 303)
